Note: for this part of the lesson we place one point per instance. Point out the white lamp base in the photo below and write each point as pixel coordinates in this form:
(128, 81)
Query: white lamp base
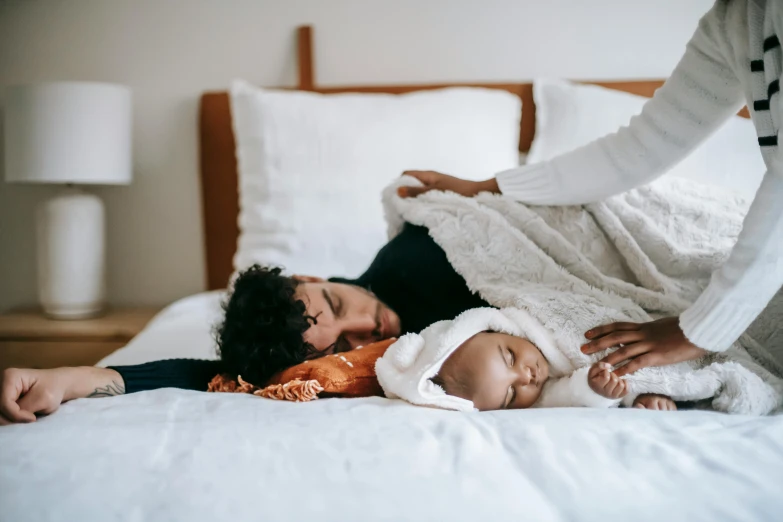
(71, 268)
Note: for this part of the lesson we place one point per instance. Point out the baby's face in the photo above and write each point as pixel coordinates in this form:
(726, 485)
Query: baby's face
(496, 371)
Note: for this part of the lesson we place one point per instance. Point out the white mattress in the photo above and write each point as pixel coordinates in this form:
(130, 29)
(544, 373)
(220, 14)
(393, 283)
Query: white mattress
(174, 455)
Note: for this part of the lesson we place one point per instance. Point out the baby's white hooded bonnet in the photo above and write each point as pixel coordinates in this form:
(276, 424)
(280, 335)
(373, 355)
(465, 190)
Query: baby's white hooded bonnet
(406, 369)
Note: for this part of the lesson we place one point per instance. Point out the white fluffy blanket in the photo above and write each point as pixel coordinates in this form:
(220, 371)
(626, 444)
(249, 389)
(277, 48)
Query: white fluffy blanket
(639, 256)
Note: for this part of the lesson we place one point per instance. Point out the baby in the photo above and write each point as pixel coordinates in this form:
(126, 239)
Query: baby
(497, 371)
(484, 360)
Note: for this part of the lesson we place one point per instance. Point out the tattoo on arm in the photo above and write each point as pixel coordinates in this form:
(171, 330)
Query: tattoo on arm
(114, 388)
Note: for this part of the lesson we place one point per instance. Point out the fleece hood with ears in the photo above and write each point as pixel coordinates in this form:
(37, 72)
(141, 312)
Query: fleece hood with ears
(406, 369)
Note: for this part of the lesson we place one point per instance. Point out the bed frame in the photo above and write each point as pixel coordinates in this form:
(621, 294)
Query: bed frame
(219, 178)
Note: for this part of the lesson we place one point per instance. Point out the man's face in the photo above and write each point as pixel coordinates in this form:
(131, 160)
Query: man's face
(346, 316)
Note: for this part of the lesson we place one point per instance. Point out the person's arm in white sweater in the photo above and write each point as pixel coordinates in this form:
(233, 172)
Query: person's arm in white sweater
(743, 286)
(737, 293)
(700, 95)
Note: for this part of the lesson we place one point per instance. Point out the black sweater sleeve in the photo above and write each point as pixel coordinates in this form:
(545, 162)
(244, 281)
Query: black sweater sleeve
(188, 374)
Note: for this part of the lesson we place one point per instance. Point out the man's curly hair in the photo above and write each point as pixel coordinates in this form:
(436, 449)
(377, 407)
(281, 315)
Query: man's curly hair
(262, 331)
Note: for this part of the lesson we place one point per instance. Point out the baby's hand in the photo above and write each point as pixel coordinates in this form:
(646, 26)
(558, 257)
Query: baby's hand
(605, 383)
(652, 401)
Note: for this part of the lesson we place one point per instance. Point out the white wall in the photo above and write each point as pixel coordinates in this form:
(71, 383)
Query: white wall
(169, 51)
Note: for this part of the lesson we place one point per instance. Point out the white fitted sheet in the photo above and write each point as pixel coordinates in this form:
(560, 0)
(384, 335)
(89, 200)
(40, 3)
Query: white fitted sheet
(175, 455)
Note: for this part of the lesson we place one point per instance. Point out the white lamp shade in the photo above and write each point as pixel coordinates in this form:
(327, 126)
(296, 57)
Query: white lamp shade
(68, 133)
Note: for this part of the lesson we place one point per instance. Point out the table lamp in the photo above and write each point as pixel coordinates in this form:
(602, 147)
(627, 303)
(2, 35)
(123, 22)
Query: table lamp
(69, 133)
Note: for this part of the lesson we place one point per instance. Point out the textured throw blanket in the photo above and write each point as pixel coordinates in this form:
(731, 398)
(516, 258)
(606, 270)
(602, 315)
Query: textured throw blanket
(636, 257)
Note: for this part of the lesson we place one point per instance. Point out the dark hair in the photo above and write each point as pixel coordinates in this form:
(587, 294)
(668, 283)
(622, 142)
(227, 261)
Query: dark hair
(262, 331)
(454, 385)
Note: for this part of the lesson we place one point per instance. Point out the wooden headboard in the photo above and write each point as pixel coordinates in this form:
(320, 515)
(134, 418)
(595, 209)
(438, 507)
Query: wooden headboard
(219, 178)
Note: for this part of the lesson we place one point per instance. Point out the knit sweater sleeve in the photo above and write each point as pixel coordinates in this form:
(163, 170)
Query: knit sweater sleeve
(702, 92)
(740, 290)
(743, 286)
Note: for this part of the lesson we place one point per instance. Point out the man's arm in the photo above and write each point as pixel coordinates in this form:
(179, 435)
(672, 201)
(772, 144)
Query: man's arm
(25, 392)
(187, 374)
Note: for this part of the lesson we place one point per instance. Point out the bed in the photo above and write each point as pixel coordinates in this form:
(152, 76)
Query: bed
(179, 455)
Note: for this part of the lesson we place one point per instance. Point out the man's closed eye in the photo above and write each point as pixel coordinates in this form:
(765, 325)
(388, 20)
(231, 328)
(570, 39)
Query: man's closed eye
(335, 303)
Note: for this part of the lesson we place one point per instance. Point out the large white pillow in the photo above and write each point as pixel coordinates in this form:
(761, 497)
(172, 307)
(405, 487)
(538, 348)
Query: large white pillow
(312, 166)
(570, 115)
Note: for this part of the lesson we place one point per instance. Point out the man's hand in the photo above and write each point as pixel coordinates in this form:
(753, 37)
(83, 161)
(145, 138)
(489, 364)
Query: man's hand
(24, 392)
(605, 383)
(436, 181)
(657, 343)
(652, 401)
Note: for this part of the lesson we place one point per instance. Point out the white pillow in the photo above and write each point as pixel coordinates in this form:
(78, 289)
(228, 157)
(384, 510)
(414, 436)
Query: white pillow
(182, 329)
(570, 115)
(312, 166)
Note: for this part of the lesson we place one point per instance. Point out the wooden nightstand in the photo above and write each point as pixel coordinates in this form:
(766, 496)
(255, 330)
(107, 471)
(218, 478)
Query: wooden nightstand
(30, 340)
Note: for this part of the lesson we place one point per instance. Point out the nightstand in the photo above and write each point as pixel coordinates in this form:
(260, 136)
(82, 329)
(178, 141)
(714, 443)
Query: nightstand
(29, 340)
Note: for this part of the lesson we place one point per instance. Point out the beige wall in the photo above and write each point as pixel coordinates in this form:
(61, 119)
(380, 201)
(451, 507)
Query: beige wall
(169, 51)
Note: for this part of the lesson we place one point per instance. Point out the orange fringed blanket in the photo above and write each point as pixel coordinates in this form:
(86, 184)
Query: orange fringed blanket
(349, 374)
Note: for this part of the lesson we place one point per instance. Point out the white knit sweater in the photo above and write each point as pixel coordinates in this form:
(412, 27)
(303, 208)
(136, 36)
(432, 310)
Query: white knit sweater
(733, 58)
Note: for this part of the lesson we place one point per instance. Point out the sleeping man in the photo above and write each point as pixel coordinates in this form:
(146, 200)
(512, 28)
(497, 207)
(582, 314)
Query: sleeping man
(443, 260)
(273, 321)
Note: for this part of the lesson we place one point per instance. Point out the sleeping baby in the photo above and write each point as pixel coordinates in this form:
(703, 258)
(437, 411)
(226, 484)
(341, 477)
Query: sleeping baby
(498, 371)
(490, 359)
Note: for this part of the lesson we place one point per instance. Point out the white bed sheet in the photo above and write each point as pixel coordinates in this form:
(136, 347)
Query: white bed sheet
(175, 455)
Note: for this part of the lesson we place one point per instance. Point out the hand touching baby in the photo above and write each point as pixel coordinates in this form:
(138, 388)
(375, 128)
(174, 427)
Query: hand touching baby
(607, 384)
